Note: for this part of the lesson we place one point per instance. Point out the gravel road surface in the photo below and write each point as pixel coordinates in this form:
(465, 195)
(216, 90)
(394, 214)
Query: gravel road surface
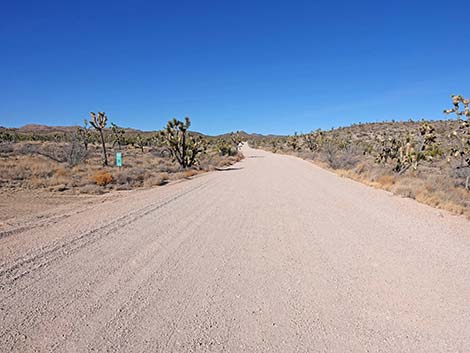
(271, 255)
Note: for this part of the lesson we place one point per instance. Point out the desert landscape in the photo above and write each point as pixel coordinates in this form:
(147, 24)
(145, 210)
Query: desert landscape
(234, 177)
(43, 165)
(272, 242)
(169, 255)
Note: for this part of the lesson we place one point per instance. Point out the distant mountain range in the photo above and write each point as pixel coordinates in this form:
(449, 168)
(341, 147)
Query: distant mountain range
(50, 130)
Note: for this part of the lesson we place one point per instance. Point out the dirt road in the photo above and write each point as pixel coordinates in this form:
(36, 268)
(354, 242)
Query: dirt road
(273, 254)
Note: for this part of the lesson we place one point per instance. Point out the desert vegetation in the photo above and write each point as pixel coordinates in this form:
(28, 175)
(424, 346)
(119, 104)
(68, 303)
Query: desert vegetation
(82, 159)
(184, 148)
(424, 160)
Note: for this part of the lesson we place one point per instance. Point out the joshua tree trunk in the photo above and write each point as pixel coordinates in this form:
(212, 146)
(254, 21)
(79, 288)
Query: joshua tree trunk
(99, 123)
(103, 144)
(183, 151)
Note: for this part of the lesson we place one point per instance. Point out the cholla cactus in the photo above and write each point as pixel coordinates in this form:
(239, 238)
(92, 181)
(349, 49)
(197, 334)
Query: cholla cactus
(183, 147)
(99, 123)
(462, 135)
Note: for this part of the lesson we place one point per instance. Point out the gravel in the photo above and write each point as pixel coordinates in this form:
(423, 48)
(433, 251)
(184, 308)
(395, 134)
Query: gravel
(273, 254)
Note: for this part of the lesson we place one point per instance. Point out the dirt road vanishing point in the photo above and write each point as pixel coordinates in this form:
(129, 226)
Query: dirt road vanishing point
(273, 254)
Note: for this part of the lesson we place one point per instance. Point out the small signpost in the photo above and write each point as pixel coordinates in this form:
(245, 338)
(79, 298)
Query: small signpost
(118, 159)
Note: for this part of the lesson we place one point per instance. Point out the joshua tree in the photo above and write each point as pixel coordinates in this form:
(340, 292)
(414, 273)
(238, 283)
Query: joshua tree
(313, 140)
(140, 142)
(8, 135)
(456, 101)
(99, 123)
(293, 142)
(236, 139)
(83, 134)
(224, 148)
(274, 146)
(183, 147)
(462, 135)
(411, 151)
(118, 135)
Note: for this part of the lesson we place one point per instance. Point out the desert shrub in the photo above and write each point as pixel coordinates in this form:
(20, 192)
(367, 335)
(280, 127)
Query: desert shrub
(61, 172)
(71, 153)
(136, 176)
(407, 187)
(123, 187)
(386, 181)
(122, 178)
(58, 180)
(347, 159)
(36, 182)
(461, 176)
(167, 166)
(91, 189)
(361, 168)
(330, 152)
(102, 177)
(339, 156)
(6, 148)
(156, 180)
(27, 148)
(189, 173)
(160, 152)
(75, 152)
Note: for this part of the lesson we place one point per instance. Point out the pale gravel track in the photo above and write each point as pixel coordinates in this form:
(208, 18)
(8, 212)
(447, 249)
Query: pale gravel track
(274, 254)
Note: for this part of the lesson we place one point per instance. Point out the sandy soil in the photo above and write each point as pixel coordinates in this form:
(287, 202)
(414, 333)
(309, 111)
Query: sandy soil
(273, 254)
(15, 205)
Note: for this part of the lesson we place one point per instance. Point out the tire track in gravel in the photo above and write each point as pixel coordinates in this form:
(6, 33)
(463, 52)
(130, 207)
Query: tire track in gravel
(25, 265)
(54, 301)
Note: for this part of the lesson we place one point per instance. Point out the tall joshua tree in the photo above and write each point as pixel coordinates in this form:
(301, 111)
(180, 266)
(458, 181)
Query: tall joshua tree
(461, 150)
(183, 147)
(99, 123)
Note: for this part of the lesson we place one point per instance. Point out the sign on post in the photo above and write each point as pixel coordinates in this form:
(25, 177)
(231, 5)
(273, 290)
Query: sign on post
(118, 159)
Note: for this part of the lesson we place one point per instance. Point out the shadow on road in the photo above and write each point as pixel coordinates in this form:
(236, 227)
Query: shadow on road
(227, 169)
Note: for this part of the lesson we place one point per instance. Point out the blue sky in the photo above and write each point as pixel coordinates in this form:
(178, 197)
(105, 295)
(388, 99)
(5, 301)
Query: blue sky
(260, 66)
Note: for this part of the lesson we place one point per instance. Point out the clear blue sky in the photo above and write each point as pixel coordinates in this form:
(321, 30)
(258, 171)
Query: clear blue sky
(260, 66)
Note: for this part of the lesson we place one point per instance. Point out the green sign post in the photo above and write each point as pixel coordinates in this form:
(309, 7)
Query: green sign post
(118, 159)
